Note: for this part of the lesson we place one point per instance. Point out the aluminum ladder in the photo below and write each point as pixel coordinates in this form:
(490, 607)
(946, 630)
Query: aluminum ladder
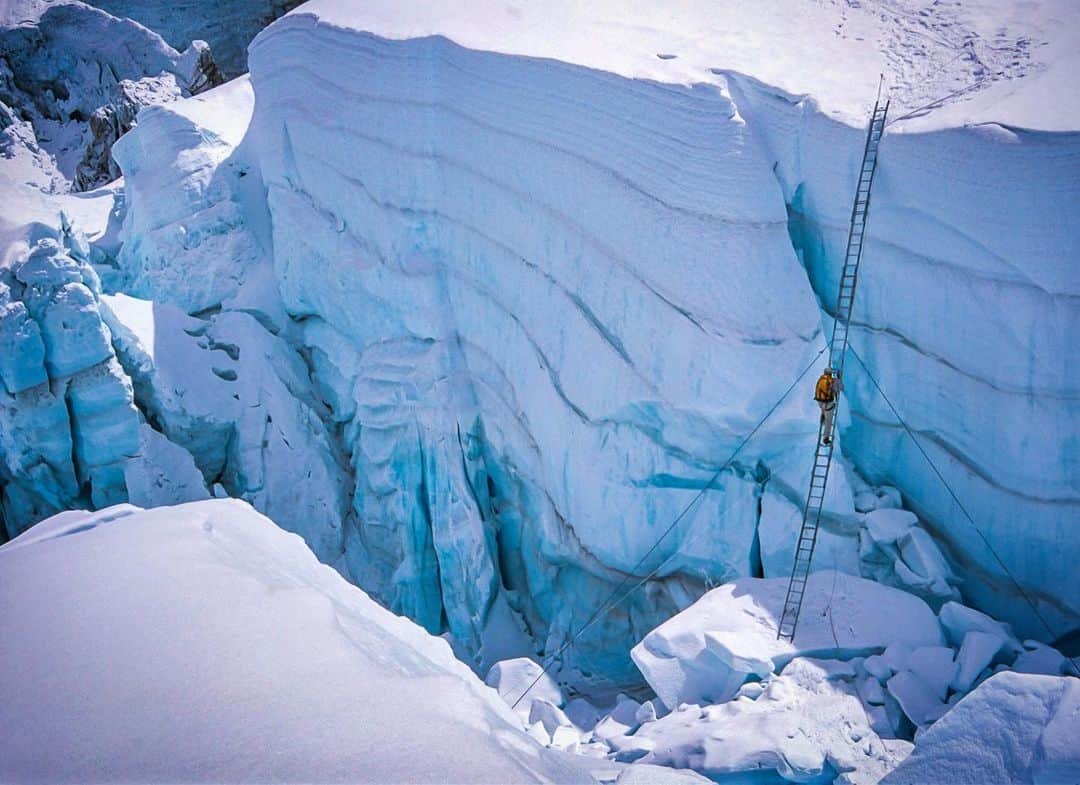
(819, 474)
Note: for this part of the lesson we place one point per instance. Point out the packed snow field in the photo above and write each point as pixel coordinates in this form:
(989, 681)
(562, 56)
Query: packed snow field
(476, 300)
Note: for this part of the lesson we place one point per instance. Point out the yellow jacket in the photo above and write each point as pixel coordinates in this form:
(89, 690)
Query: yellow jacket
(825, 391)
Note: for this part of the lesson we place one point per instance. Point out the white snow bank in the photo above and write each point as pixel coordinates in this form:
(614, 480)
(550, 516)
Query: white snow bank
(202, 643)
(705, 653)
(831, 51)
(1013, 728)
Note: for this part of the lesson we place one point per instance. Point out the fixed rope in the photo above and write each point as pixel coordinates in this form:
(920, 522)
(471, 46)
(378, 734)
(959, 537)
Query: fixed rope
(971, 520)
(608, 603)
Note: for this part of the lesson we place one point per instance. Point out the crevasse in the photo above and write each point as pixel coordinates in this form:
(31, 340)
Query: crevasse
(483, 324)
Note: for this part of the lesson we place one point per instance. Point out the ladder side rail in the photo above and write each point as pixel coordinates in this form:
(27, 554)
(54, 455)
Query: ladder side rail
(845, 302)
(800, 571)
(877, 123)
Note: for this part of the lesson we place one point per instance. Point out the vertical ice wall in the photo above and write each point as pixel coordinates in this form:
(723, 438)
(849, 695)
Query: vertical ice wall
(547, 302)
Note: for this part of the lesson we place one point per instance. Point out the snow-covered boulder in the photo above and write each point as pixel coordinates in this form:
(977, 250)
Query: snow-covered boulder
(705, 653)
(958, 620)
(1013, 728)
(201, 642)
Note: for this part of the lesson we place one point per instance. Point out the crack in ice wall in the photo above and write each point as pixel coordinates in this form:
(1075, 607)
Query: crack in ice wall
(968, 296)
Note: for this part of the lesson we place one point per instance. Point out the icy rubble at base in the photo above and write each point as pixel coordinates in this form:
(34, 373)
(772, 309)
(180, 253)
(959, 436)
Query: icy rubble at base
(819, 712)
(212, 646)
(806, 725)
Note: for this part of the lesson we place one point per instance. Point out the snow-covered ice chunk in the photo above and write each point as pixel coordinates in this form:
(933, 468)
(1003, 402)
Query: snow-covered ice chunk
(512, 680)
(886, 526)
(1039, 658)
(871, 691)
(646, 712)
(620, 721)
(583, 714)
(548, 714)
(917, 698)
(878, 667)
(958, 620)
(935, 666)
(881, 498)
(255, 655)
(922, 556)
(976, 654)
(565, 737)
(895, 550)
(705, 653)
(1012, 728)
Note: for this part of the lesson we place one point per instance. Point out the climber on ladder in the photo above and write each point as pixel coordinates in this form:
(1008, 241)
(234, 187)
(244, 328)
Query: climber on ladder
(826, 391)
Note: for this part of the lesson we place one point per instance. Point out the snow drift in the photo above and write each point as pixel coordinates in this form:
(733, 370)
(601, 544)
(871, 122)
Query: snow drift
(201, 643)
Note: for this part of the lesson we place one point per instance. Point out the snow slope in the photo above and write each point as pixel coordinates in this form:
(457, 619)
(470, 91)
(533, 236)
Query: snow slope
(200, 643)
